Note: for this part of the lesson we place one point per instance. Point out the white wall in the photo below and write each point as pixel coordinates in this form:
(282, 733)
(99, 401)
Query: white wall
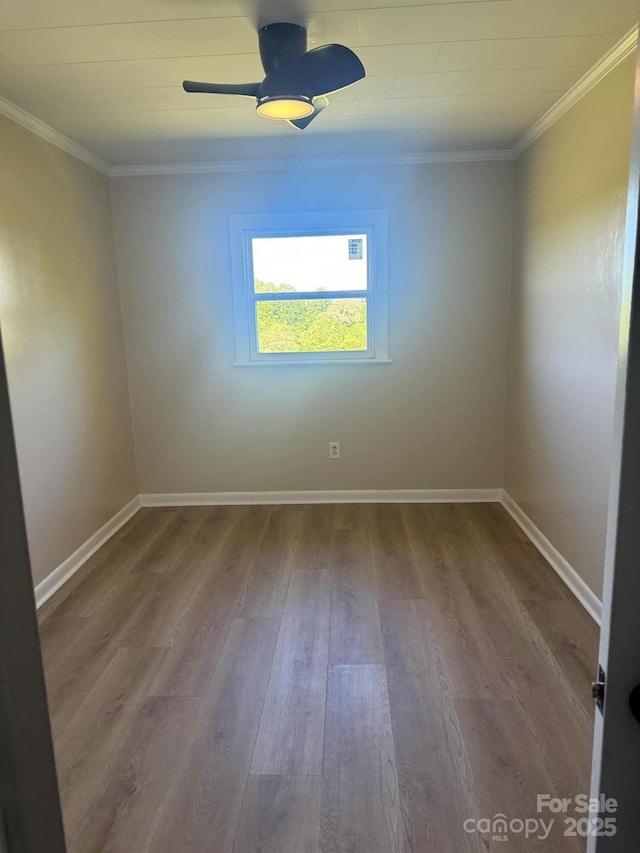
(63, 343)
(571, 200)
(432, 419)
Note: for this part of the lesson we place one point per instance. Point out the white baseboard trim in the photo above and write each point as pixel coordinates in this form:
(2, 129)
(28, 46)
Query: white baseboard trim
(322, 497)
(564, 569)
(52, 583)
(46, 588)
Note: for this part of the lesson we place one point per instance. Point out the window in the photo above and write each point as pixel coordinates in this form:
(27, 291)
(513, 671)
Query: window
(310, 287)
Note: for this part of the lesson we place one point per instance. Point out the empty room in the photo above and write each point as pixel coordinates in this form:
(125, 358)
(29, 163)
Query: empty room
(319, 406)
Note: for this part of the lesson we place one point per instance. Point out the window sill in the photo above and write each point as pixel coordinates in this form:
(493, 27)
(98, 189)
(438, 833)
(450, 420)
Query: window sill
(317, 363)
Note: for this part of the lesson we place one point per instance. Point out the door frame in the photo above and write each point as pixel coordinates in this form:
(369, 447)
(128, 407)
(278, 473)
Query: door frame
(30, 816)
(616, 744)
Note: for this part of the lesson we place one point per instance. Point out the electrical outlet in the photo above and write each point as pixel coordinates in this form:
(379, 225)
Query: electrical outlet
(334, 450)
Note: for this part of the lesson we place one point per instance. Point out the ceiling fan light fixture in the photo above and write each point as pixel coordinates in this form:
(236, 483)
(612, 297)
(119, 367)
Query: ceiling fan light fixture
(285, 108)
(297, 80)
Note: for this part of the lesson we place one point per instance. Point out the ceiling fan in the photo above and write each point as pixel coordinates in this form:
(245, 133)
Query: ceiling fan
(297, 81)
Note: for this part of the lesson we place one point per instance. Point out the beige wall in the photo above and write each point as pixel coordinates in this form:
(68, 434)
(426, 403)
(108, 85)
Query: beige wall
(431, 419)
(434, 418)
(62, 335)
(571, 196)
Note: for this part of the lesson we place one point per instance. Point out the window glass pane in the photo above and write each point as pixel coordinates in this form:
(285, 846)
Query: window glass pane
(312, 325)
(316, 263)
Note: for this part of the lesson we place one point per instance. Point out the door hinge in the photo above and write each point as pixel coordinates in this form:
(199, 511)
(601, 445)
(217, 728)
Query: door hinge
(598, 689)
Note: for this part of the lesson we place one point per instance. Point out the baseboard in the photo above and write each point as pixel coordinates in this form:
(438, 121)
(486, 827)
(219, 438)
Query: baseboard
(564, 569)
(322, 497)
(52, 583)
(46, 588)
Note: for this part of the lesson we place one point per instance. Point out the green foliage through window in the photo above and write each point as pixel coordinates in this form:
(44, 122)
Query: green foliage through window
(309, 325)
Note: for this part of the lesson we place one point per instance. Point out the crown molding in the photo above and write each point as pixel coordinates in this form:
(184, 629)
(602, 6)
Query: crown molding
(49, 134)
(334, 162)
(618, 53)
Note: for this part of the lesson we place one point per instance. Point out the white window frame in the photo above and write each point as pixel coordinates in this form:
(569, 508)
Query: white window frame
(245, 227)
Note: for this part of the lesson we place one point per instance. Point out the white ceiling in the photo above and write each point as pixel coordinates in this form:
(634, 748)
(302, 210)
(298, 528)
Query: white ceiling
(441, 76)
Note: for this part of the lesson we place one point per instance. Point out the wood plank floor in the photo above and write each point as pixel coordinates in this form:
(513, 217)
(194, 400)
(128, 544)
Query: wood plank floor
(319, 679)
